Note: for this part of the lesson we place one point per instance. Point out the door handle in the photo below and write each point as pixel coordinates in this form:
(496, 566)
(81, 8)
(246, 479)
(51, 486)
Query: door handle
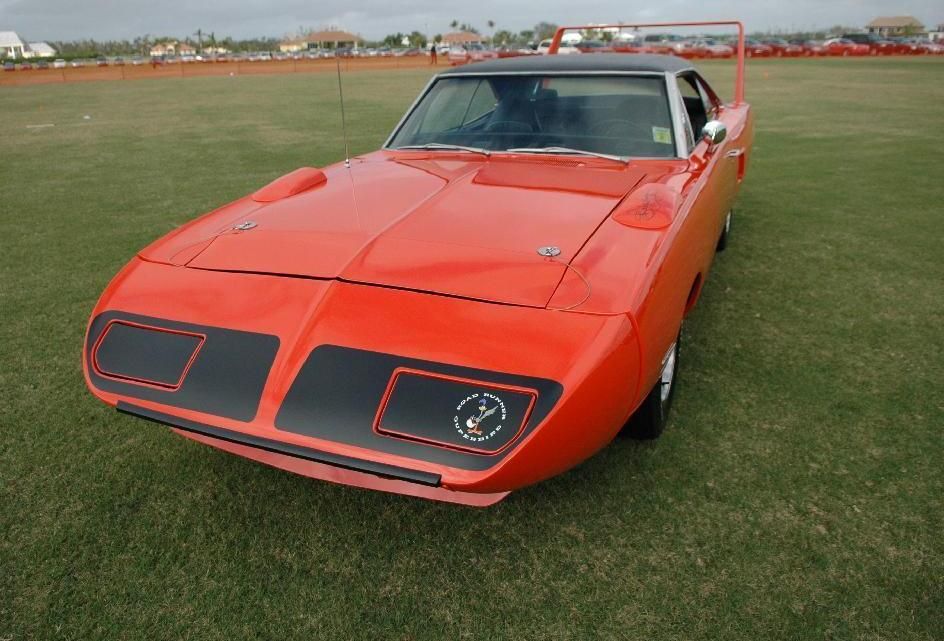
(734, 153)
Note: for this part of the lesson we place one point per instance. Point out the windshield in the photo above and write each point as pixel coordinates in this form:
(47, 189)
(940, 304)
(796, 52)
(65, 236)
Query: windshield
(616, 115)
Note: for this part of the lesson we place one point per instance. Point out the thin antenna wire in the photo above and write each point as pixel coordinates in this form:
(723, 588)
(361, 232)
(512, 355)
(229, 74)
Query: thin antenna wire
(347, 151)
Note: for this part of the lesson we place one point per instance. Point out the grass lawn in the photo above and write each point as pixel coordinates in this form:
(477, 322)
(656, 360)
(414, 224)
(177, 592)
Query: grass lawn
(798, 492)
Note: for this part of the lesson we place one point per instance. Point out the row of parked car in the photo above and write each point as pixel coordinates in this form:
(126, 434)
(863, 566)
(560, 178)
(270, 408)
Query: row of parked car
(309, 54)
(61, 63)
(846, 45)
(853, 44)
(25, 66)
(256, 56)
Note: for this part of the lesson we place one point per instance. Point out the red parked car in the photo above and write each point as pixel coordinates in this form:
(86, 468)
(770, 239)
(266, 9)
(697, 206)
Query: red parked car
(472, 52)
(914, 46)
(904, 47)
(709, 48)
(481, 304)
(932, 48)
(633, 46)
(685, 49)
(877, 46)
(844, 47)
(755, 49)
(809, 47)
(660, 43)
(783, 49)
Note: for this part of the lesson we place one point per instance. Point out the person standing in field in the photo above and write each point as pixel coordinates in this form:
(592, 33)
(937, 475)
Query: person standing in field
(432, 54)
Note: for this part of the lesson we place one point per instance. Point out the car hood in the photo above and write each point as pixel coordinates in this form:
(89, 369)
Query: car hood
(448, 224)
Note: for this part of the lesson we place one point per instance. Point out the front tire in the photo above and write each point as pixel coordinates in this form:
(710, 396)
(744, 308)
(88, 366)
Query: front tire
(649, 420)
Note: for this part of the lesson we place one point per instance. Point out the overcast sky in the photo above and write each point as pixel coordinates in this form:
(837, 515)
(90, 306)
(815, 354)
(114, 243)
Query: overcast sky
(373, 19)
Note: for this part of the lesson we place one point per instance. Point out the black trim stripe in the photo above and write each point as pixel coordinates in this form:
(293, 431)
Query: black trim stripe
(225, 379)
(338, 391)
(382, 470)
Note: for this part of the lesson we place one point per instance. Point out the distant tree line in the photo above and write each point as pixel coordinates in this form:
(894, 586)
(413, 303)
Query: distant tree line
(90, 48)
(413, 39)
(499, 38)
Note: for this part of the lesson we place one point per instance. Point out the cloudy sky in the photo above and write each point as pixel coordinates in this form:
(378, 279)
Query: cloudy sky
(108, 19)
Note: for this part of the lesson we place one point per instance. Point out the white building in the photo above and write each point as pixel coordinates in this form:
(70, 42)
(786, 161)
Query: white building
(39, 50)
(10, 45)
(172, 48)
(886, 26)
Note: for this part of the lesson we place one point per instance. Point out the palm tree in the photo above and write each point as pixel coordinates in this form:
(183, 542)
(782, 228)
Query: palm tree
(454, 24)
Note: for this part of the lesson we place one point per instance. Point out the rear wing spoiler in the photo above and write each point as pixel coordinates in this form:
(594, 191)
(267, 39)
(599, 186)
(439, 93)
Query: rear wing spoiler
(739, 81)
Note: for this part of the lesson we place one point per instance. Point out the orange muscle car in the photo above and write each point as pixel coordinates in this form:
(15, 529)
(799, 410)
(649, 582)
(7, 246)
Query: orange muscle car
(482, 303)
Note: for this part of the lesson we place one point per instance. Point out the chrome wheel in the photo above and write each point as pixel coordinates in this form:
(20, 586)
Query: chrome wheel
(650, 418)
(667, 376)
(725, 230)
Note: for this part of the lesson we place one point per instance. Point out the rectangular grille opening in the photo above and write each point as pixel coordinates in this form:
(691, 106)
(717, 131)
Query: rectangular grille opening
(146, 355)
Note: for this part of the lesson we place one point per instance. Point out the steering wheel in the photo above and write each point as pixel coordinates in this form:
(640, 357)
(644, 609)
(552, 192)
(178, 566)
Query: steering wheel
(618, 128)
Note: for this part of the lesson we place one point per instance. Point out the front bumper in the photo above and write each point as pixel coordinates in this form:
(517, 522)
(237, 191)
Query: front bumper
(316, 464)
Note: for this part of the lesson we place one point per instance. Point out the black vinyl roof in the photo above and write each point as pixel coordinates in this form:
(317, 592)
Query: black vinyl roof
(576, 63)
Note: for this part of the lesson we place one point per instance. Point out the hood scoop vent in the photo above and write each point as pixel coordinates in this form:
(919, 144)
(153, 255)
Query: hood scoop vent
(290, 185)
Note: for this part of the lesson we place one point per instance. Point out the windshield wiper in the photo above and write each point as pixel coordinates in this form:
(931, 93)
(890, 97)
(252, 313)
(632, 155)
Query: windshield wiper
(566, 150)
(445, 147)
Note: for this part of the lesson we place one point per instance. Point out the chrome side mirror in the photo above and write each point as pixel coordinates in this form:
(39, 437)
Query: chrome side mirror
(714, 132)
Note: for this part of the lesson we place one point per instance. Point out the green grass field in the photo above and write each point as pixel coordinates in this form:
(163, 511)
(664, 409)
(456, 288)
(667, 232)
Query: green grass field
(797, 493)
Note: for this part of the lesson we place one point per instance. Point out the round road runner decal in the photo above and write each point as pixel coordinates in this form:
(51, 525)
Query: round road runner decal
(480, 416)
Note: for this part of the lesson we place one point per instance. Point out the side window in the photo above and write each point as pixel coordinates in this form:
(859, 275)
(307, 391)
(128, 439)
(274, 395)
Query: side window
(687, 87)
(694, 103)
(708, 97)
(689, 135)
